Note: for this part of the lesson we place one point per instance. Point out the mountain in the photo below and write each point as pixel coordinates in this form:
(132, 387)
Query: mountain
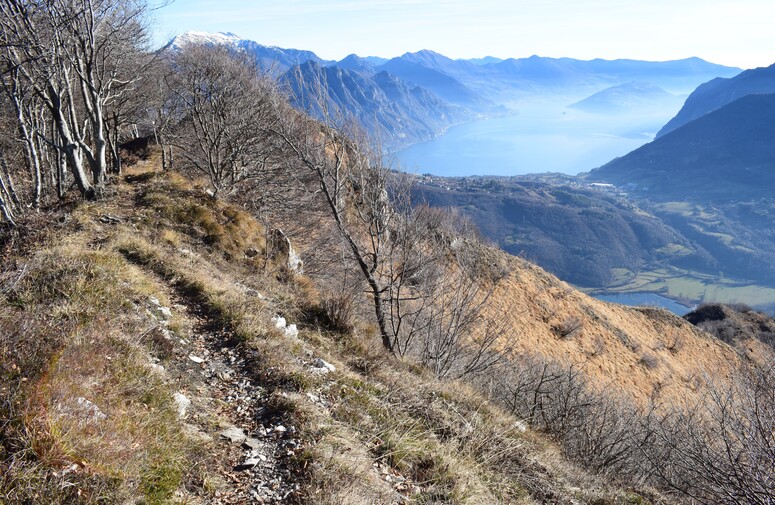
(422, 71)
(356, 63)
(484, 61)
(384, 104)
(676, 76)
(628, 98)
(720, 91)
(274, 59)
(579, 234)
(725, 155)
(397, 112)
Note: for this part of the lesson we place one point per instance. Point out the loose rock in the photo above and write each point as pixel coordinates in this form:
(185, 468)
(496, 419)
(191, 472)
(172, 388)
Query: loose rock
(321, 363)
(182, 403)
(234, 435)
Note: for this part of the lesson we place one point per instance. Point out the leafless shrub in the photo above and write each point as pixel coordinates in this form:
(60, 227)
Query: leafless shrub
(598, 346)
(720, 451)
(569, 328)
(743, 308)
(675, 342)
(649, 361)
(625, 339)
(725, 330)
(339, 309)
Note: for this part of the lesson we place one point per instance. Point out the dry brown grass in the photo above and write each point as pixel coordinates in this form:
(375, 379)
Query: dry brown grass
(89, 422)
(75, 328)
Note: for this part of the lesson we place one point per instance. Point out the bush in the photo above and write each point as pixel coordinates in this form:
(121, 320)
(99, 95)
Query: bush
(569, 328)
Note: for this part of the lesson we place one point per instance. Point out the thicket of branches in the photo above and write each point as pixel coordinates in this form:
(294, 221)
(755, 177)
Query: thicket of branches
(720, 450)
(70, 69)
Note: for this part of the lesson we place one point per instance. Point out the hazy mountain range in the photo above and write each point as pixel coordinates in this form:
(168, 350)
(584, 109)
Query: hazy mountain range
(632, 97)
(416, 96)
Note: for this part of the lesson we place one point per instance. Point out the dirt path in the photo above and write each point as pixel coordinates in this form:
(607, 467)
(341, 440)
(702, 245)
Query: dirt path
(222, 399)
(229, 410)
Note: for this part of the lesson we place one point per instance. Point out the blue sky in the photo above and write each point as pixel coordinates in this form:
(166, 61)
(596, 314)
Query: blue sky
(738, 33)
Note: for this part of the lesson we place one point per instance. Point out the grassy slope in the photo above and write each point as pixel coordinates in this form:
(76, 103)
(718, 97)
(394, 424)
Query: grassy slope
(74, 314)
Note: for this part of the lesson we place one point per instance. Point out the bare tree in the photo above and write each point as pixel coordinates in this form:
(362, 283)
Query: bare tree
(722, 450)
(427, 297)
(227, 113)
(69, 54)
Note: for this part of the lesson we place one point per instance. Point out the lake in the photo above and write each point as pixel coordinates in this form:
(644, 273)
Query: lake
(539, 138)
(637, 299)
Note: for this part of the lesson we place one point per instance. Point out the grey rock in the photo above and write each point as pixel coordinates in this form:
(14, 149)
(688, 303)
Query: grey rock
(281, 249)
(321, 363)
(234, 435)
(248, 464)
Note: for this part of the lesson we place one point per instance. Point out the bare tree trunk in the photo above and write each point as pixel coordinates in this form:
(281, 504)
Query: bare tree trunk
(71, 148)
(7, 193)
(26, 131)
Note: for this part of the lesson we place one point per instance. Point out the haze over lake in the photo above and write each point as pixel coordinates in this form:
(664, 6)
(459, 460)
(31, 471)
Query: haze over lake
(539, 138)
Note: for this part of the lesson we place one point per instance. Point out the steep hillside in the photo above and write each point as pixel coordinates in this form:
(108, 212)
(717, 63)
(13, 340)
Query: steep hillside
(726, 155)
(196, 391)
(580, 235)
(721, 91)
(386, 106)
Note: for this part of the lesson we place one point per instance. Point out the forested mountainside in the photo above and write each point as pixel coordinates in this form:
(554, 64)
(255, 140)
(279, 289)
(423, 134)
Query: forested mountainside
(722, 156)
(243, 304)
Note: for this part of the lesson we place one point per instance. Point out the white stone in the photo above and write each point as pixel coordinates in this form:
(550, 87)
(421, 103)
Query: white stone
(321, 363)
(90, 409)
(182, 403)
(250, 463)
(520, 426)
(165, 312)
(196, 359)
(291, 331)
(280, 429)
(279, 322)
(234, 434)
(154, 301)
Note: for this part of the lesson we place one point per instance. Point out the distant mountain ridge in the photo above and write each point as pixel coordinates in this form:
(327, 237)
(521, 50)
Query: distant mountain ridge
(725, 155)
(628, 97)
(430, 92)
(382, 103)
(718, 92)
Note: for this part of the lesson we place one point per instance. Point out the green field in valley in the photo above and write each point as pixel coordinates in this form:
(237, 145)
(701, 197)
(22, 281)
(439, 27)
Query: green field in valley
(691, 287)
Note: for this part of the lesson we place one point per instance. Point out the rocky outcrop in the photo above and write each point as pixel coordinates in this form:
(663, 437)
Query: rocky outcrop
(281, 250)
